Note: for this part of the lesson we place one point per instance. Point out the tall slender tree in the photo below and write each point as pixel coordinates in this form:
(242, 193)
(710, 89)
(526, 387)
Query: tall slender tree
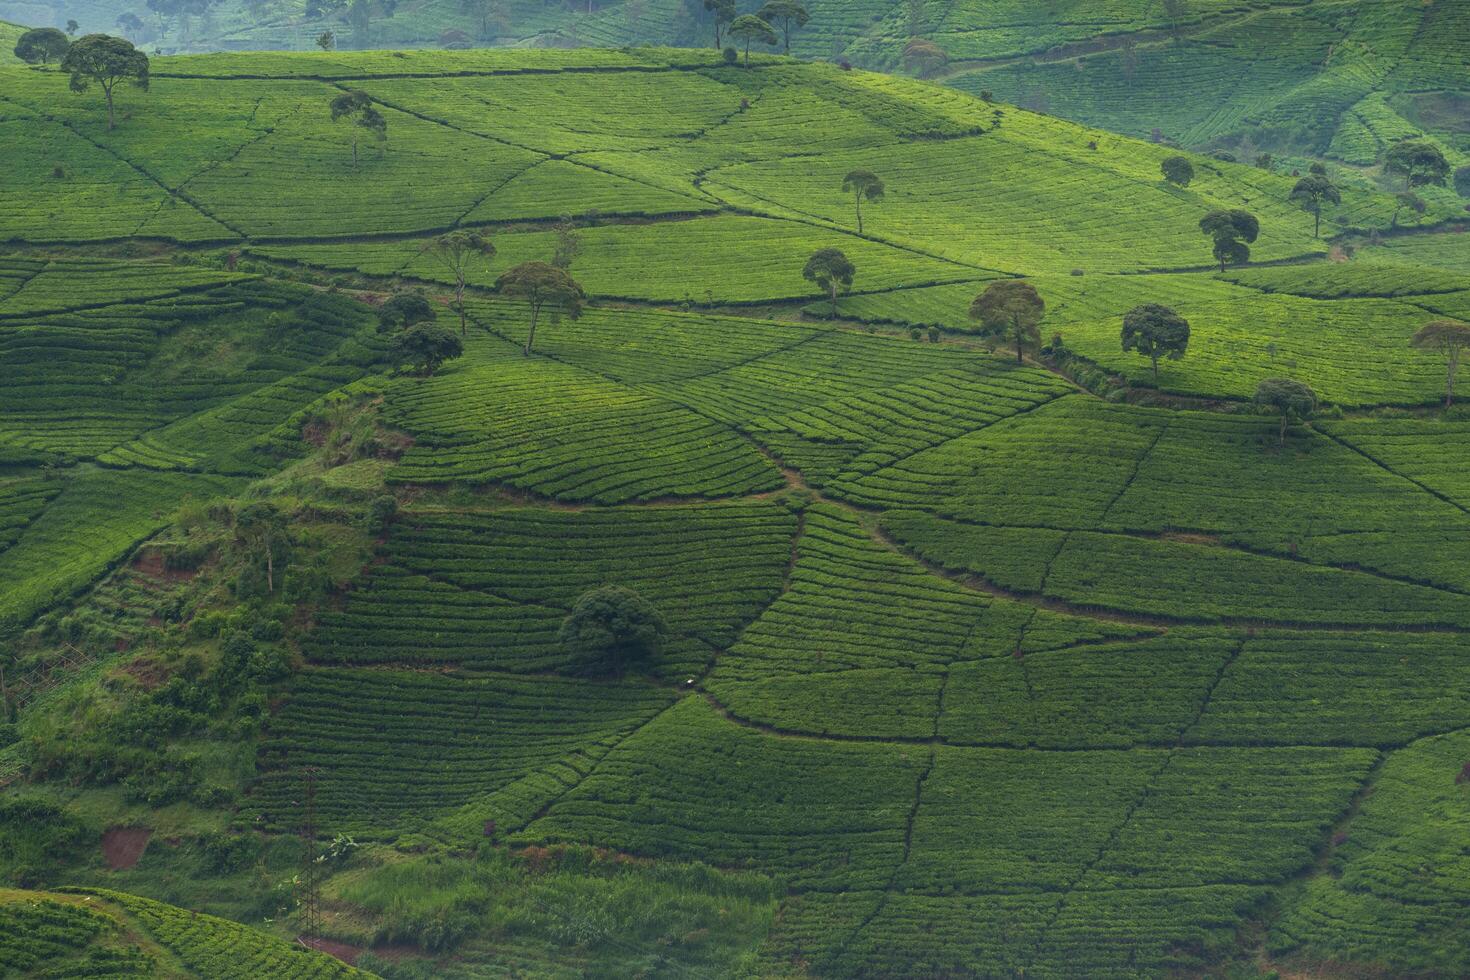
(1450, 338)
(863, 185)
(1311, 192)
(785, 13)
(459, 252)
(830, 269)
(750, 28)
(107, 61)
(542, 284)
(357, 106)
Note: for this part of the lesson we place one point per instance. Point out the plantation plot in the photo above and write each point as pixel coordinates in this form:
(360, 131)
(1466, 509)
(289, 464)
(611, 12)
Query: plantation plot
(1397, 894)
(62, 285)
(562, 432)
(558, 187)
(1449, 251)
(397, 748)
(1426, 450)
(822, 815)
(41, 932)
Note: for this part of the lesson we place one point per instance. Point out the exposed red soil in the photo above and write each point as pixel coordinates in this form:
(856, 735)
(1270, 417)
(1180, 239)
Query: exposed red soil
(151, 562)
(123, 846)
(342, 951)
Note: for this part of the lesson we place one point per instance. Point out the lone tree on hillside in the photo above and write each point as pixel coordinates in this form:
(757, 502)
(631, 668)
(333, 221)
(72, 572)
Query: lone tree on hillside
(1451, 338)
(41, 46)
(358, 107)
(425, 346)
(326, 40)
(722, 12)
(1419, 162)
(750, 28)
(611, 629)
(403, 311)
(1311, 192)
(785, 13)
(542, 284)
(830, 269)
(1288, 398)
(262, 528)
(568, 243)
(107, 61)
(459, 252)
(1232, 232)
(1177, 170)
(1010, 308)
(923, 57)
(862, 185)
(1155, 331)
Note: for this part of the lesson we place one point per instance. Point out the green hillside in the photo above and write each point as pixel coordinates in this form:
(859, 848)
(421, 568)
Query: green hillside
(968, 663)
(1343, 78)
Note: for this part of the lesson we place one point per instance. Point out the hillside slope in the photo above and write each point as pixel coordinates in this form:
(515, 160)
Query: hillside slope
(1338, 77)
(970, 663)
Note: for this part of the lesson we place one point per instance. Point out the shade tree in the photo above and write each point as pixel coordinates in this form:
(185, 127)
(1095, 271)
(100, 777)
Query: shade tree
(612, 629)
(1450, 338)
(403, 310)
(1011, 310)
(722, 12)
(41, 46)
(425, 347)
(1288, 398)
(459, 252)
(1155, 331)
(357, 107)
(830, 269)
(542, 285)
(1177, 170)
(1232, 231)
(784, 13)
(105, 61)
(863, 185)
(1311, 192)
(1419, 162)
(750, 29)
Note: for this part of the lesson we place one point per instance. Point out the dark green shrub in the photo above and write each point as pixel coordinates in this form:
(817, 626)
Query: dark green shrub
(611, 629)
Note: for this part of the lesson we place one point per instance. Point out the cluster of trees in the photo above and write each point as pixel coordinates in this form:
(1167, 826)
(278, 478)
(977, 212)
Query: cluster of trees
(759, 27)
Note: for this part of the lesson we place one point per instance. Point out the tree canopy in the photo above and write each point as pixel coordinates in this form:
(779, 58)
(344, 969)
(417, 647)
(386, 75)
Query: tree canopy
(1177, 170)
(863, 185)
(611, 629)
(459, 251)
(750, 28)
(542, 284)
(923, 57)
(425, 346)
(404, 310)
(1232, 231)
(1419, 162)
(105, 60)
(1311, 192)
(1010, 308)
(358, 106)
(722, 12)
(41, 46)
(830, 269)
(1450, 338)
(1155, 331)
(1288, 398)
(785, 13)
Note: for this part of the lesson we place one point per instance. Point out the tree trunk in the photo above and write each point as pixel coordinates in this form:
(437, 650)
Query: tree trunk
(1317, 233)
(832, 289)
(1449, 389)
(4, 696)
(1156, 370)
(270, 565)
(859, 201)
(459, 301)
(747, 52)
(1017, 328)
(110, 122)
(786, 31)
(1283, 430)
(531, 337)
(354, 151)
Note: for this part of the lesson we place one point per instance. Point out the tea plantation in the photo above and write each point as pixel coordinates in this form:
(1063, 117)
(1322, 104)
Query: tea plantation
(928, 651)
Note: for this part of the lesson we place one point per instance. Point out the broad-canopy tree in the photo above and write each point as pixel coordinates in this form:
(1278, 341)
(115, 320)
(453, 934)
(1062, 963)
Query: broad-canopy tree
(41, 46)
(1288, 398)
(750, 28)
(862, 185)
(1311, 192)
(1155, 331)
(1419, 162)
(830, 269)
(611, 629)
(1451, 338)
(459, 252)
(358, 106)
(1232, 232)
(105, 60)
(1177, 170)
(1010, 308)
(404, 310)
(722, 12)
(425, 346)
(542, 284)
(785, 13)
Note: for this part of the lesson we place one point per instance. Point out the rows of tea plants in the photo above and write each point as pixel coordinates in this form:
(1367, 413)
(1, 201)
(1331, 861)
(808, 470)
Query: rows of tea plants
(50, 938)
(86, 529)
(1338, 280)
(554, 188)
(1197, 581)
(563, 432)
(1445, 250)
(208, 946)
(22, 499)
(394, 748)
(1425, 450)
(862, 638)
(1396, 891)
(60, 285)
(691, 785)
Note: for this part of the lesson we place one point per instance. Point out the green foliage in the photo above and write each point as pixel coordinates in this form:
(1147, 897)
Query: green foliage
(105, 61)
(1011, 310)
(425, 347)
(541, 284)
(1155, 331)
(612, 629)
(41, 45)
(1177, 170)
(42, 936)
(752, 29)
(1419, 162)
(1233, 231)
(1312, 191)
(1288, 398)
(830, 269)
